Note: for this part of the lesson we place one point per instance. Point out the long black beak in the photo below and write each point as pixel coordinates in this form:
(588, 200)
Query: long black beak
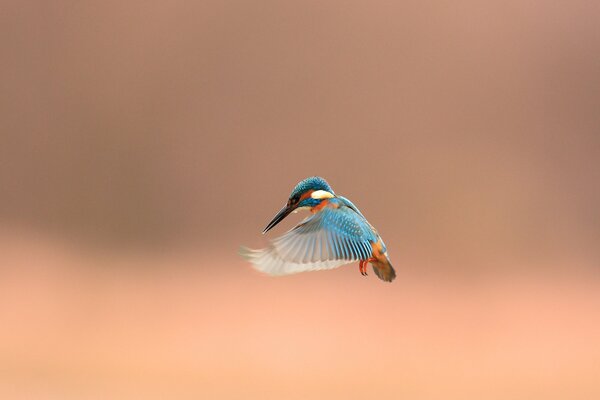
(284, 212)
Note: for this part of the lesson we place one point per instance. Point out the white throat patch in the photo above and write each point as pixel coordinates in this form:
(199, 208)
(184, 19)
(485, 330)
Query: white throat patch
(300, 209)
(321, 194)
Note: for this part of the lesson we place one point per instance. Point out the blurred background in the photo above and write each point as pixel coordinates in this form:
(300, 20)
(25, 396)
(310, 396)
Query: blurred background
(141, 143)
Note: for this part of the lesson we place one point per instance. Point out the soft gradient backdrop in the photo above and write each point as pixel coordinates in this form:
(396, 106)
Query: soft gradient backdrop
(142, 142)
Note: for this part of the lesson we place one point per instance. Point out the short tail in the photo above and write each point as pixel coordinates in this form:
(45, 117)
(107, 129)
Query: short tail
(383, 269)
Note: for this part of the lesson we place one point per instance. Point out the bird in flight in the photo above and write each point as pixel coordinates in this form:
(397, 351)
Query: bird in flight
(335, 234)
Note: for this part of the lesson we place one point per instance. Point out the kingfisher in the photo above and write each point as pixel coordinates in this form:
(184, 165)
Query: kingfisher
(336, 233)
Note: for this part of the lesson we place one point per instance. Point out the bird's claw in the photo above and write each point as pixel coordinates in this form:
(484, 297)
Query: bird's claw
(362, 267)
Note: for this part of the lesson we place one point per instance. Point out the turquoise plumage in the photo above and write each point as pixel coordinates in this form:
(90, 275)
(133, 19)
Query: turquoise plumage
(335, 234)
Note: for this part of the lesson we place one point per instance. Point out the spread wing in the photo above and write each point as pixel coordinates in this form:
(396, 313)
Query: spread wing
(325, 240)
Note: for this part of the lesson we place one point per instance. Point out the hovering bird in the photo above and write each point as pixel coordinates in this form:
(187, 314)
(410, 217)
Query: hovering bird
(335, 234)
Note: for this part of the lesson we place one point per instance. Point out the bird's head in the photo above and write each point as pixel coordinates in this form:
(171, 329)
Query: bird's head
(308, 193)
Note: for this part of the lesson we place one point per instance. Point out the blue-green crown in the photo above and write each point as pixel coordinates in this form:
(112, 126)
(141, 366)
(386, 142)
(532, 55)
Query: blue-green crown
(312, 183)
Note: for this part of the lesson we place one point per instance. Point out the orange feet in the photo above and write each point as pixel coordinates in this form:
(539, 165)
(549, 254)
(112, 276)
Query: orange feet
(362, 266)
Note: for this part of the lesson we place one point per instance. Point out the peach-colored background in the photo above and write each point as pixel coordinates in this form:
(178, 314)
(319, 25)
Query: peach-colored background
(142, 142)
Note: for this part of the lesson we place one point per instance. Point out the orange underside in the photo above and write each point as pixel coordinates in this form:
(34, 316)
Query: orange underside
(377, 256)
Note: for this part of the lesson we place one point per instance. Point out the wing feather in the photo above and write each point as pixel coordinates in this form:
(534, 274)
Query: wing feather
(325, 240)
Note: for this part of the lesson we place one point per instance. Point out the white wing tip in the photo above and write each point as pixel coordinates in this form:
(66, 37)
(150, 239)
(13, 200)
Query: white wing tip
(261, 261)
(268, 262)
